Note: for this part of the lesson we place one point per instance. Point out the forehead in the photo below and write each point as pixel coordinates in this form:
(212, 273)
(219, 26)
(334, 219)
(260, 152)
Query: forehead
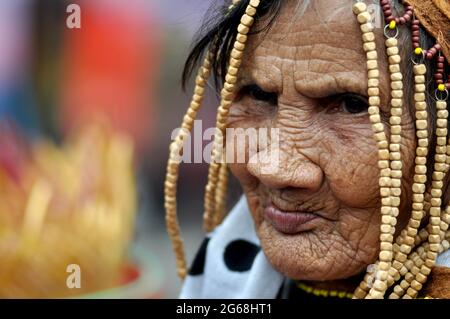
(310, 42)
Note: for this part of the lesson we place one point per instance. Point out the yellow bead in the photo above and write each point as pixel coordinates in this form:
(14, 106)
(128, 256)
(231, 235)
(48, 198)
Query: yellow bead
(418, 51)
(441, 87)
(392, 25)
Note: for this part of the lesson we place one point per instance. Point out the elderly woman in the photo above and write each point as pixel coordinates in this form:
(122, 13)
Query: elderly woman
(355, 204)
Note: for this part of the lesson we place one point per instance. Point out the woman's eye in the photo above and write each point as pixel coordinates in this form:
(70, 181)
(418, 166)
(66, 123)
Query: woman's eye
(354, 104)
(258, 94)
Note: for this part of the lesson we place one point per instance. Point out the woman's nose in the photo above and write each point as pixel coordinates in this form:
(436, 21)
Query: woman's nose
(286, 171)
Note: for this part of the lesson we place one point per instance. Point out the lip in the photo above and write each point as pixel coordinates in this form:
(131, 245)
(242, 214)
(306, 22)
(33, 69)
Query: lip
(288, 222)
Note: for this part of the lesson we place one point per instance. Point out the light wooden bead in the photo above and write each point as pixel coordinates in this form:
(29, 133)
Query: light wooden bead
(396, 103)
(368, 37)
(420, 160)
(423, 142)
(420, 105)
(395, 201)
(419, 79)
(372, 64)
(420, 169)
(396, 76)
(420, 69)
(373, 74)
(369, 46)
(236, 63)
(437, 190)
(364, 17)
(391, 42)
(420, 178)
(239, 46)
(438, 176)
(421, 124)
(383, 164)
(367, 27)
(441, 105)
(421, 115)
(394, 147)
(254, 3)
(436, 221)
(442, 114)
(236, 54)
(243, 29)
(397, 85)
(373, 83)
(397, 94)
(395, 59)
(383, 144)
(422, 133)
(396, 111)
(396, 129)
(421, 151)
(372, 55)
(247, 20)
(392, 51)
(393, 68)
(373, 92)
(420, 88)
(359, 7)
(374, 101)
(251, 11)
(374, 110)
(386, 237)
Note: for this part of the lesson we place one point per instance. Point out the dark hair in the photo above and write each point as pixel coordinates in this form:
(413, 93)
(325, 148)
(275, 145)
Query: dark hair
(219, 32)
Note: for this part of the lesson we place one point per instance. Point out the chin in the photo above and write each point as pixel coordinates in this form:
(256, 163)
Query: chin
(310, 255)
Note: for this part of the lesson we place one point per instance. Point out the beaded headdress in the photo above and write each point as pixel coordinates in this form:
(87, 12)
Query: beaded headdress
(404, 263)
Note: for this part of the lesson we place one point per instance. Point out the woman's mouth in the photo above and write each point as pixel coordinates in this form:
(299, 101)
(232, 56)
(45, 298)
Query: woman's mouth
(288, 222)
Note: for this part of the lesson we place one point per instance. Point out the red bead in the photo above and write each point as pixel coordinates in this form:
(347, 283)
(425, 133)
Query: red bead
(407, 18)
(397, 20)
(429, 56)
(437, 46)
(402, 20)
(438, 76)
(416, 45)
(416, 39)
(416, 33)
(390, 18)
(433, 50)
(440, 65)
(384, 2)
(386, 7)
(441, 59)
(416, 22)
(410, 8)
(439, 82)
(387, 13)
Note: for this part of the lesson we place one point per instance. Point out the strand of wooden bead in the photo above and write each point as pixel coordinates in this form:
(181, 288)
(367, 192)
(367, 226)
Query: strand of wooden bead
(170, 185)
(221, 195)
(227, 96)
(369, 46)
(434, 237)
(386, 252)
(406, 241)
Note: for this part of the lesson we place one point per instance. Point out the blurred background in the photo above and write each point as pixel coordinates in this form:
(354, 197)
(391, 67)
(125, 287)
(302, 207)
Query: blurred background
(86, 116)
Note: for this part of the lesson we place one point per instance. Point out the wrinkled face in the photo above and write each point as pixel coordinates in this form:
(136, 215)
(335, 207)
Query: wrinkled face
(316, 212)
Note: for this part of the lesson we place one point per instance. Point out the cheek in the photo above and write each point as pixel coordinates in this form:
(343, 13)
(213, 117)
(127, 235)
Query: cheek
(350, 165)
